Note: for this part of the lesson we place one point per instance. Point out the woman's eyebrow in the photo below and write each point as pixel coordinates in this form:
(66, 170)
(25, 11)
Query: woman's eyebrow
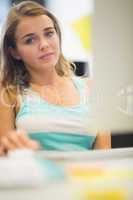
(32, 34)
(27, 35)
(48, 28)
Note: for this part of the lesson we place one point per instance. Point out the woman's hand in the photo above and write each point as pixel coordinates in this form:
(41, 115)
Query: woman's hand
(16, 140)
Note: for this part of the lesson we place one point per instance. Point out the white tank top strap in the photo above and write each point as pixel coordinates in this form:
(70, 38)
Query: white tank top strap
(80, 83)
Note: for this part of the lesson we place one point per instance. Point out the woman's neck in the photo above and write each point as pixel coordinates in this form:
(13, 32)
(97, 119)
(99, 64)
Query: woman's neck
(46, 78)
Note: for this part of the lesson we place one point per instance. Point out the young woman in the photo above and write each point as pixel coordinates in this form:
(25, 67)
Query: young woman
(42, 103)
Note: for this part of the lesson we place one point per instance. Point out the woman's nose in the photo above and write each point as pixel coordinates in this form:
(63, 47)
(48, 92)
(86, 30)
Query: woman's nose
(43, 43)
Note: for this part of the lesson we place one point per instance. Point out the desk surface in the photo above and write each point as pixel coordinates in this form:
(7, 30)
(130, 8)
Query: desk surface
(71, 189)
(89, 155)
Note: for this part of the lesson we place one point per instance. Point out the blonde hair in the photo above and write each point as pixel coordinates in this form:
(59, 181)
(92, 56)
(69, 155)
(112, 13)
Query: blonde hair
(13, 71)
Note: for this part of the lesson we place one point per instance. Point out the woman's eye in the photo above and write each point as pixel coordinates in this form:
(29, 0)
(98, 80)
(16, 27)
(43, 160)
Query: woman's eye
(49, 34)
(29, 41)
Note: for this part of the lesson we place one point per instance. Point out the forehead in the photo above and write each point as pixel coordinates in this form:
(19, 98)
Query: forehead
(33, 24)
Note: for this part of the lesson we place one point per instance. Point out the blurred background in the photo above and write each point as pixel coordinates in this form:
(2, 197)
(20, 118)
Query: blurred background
(97, 36)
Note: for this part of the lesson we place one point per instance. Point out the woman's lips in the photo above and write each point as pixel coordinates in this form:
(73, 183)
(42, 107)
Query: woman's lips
(46, 55)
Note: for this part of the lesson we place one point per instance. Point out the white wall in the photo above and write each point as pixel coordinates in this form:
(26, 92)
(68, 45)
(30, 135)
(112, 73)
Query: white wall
(113, 64)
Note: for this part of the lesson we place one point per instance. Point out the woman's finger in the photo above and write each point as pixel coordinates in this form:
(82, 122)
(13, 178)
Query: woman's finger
(34, 145)
(7, 144)
(27, 142)
(2, 150)
(15, 140)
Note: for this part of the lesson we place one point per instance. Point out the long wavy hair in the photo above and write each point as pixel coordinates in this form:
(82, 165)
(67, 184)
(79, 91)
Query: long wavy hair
(13, 71)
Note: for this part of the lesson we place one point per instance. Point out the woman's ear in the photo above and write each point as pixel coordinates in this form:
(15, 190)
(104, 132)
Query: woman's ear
(14, 53)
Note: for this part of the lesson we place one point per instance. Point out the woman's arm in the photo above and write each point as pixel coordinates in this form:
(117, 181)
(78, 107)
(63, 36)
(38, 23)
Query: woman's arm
(7, 114)
(103, 141)
(10, 138)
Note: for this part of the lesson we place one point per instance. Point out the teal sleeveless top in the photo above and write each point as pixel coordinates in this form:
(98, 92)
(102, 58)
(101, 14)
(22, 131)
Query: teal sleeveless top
(56, 127)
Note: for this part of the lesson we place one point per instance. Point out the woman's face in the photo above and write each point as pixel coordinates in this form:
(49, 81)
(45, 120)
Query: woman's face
(37, 43)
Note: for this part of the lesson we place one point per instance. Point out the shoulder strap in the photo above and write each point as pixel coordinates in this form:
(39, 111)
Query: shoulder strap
(80, 83)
